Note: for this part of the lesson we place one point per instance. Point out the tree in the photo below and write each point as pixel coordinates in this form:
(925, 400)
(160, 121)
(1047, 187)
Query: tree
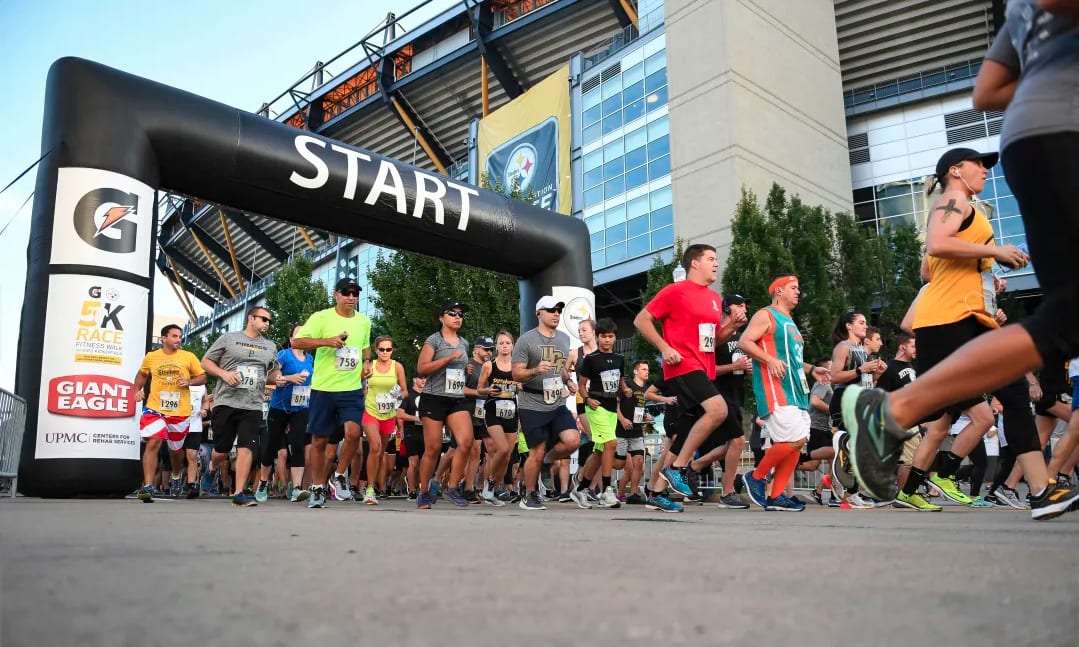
(659, 275)
(900, 277)
(293, 297)
(198, 347)
(857, 275)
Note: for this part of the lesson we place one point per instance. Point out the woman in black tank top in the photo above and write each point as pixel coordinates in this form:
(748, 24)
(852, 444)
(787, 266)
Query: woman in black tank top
(502, 421)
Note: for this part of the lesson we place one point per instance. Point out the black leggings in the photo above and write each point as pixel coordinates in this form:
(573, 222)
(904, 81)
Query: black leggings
(284, 429)
(1043, 173)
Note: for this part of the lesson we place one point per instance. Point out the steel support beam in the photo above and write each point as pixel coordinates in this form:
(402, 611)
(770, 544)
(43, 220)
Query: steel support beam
(440, 158)
(194, 270)
(204, 238)
(213, 263)
(176, 278)
(483, 25)
(243, 220)
(625, 13)
(232, 250)
(306, 237)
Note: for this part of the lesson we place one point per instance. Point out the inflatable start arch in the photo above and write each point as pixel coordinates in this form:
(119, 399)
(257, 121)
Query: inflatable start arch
(115, 139)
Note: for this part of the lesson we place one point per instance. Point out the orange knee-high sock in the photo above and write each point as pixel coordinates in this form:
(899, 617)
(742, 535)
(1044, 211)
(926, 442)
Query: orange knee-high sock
(773, 458)
(784, 470)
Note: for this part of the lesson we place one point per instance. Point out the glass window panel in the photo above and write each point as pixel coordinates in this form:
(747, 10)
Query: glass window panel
(655, 62)
(613, 169)
(636, 139)
(593, 177)
(865, 212)
(616, 254)
(893, 189)
(615, 216)
(636, 157)
(612, 123)
(662, 217)
(657, 99)
(592, 133)
(591, 115)
(634, 110)
(591, 98)
(863, 195)
(614, 186)
(633, 75)
(655, 81)
(638, 246)
(1007, 207)
(593, 196)
(614, 104)
(659, 168)
(616, 234)
(593, 160)
(638, 226)
(597, 260)
(613, 149)
(662, 238)
(636, 177)
(1010, 227)
(661, 198)
(637, 207)
(597, 240)
(633, 93)
(659, 128)
(659, 147)
(612, 87)
(594, 223)
(896, 206)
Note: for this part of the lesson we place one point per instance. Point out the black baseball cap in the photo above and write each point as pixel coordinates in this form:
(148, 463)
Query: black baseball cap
(485, 342)
(345, 284)
(958, 155)
(734, 300)
(453, 305)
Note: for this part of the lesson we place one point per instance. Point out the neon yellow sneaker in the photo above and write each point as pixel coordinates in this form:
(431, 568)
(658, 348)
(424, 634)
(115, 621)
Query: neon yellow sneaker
(915, 501)
(949, 487)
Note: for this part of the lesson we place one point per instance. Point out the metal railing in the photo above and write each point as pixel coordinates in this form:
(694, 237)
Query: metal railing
(913, 83)
(12, 428)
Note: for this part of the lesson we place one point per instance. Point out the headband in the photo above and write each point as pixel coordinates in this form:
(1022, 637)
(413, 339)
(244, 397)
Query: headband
(781, 281)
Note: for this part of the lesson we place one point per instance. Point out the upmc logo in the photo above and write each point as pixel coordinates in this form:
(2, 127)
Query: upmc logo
(103, 218)
(91, 396)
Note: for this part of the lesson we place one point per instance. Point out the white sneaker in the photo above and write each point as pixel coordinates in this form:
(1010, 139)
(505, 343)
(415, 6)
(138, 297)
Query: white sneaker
(580, 498)
(1009, 496)
(299, 494)
(489, 497)
(369, 497)
(608, 499)
(856, 501)
(339, 488)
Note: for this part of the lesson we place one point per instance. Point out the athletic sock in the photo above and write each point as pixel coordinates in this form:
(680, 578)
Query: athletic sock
(606, 482)
(914, 481)
(949, 465)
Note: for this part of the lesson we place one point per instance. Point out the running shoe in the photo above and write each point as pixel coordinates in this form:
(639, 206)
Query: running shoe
(209, 479)
(1010, 497)
(455, 496)
(992, 498)
(818, 497)
(531, 501)
(948, 488)
(145, 494)
(915, 502)
(833, 502)
(176, 487)
(608, 499)
(755, 488)
(1053, 502)
(841, 479)
(504, 495)
(677, 479)
(635, 499)
(564, 497)
(591, 496)
(979, 502)
(856, 501)
(693, 480)
(298, 494)
(1063, 480)
(490, 497)
(191, 491)
(339, 489)
(435, 488)
(581, 499)
(783, 503)
(662, 503)
(423, 501)
(370, 497)
(876, 441)
(263, 492)
(318, 497)
(412, 496)
(732, 501)
(243, 500)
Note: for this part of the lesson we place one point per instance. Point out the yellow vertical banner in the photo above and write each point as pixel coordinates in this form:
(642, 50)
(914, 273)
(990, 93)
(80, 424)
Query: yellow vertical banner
(525, 144)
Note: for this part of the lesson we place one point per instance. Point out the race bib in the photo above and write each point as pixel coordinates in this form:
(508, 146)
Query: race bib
(505, 409)
(455, 381)
(989, 293)
(170, 400)
(479, 411)
(346, 358)
(610, 380)
(301, 396)
(805, 382)
(867, 380)
(385, 403)
(249, 377)
(552, 389)
(706, 337)
(508, 390)
(638, 415)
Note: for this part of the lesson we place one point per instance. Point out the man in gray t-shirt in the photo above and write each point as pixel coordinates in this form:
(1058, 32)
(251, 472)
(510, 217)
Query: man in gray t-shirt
(539, 364)
(242, 363)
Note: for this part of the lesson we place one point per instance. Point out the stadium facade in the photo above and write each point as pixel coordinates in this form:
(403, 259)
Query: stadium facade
(674, 106)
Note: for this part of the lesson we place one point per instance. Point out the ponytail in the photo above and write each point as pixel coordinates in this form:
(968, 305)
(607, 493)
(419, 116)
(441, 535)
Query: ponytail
(932, 184)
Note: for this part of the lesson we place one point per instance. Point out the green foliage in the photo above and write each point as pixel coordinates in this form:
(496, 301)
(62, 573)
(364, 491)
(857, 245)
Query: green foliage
(198, 347)
(900, 277)
(293, 297)
(659, 275)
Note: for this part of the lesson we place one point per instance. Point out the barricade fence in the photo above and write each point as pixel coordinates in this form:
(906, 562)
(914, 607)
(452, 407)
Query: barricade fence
(12, 427)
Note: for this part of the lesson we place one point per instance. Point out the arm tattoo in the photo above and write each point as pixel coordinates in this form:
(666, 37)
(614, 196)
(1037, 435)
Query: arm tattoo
(948, 210)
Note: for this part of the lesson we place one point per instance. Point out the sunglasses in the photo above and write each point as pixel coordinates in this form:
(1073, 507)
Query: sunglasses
(266, 319)
(384, 350)
(350, 293)
(454, 313)
(554, 311)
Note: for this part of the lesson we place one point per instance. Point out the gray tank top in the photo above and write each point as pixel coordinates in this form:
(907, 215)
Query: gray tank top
(448, 381)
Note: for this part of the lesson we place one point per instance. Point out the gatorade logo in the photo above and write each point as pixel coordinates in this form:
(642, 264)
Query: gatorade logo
(103, 219)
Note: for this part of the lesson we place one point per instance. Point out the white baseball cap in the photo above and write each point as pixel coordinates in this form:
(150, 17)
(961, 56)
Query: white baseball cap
(549, 301)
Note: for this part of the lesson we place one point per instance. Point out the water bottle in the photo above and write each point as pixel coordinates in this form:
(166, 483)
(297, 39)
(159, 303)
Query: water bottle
(679, 274)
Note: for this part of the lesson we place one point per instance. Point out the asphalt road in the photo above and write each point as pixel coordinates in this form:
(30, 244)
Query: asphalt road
(203, 573)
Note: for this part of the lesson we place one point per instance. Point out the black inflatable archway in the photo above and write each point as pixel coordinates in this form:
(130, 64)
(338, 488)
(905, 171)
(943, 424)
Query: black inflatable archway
(116, 138)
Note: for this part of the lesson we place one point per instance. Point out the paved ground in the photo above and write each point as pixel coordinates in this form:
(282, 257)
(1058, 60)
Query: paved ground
(203, 573)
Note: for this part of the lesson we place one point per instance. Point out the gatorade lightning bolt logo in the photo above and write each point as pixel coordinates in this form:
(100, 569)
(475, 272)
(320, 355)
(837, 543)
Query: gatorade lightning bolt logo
(103, 218)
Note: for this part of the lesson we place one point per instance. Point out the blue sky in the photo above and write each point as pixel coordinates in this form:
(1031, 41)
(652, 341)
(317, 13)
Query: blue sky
(239, 52)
